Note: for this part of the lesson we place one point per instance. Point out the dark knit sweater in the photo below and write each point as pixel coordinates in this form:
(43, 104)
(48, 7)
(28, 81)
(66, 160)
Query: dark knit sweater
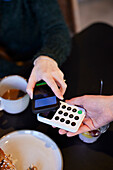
(31, 28)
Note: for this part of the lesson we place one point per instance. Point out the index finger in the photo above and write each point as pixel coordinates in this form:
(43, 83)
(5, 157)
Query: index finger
(51, 82)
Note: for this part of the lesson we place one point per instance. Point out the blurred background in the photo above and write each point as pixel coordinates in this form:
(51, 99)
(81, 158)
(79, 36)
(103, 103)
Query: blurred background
(91, 11)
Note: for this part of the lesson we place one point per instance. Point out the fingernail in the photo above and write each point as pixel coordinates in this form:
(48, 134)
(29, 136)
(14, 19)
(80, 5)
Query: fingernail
(68, 135)
(61, 97)
(61, 133)
(30, 93)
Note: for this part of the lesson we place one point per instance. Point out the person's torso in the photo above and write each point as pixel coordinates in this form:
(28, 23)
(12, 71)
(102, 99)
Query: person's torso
(19, 28)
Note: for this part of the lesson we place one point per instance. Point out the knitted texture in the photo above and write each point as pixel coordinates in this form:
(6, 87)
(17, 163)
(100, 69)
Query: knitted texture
(30, 28)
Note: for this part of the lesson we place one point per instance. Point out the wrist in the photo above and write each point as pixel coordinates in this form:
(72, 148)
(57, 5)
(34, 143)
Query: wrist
(44, 58)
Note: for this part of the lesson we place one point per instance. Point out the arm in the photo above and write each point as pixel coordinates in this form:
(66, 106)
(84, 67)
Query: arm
(56, 45)
(54, 32)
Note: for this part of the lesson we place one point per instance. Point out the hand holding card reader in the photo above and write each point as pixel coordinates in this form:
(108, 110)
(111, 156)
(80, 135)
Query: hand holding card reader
(54, 112)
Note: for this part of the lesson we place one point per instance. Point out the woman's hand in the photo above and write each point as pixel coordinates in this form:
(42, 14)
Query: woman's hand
(99, 112)
(47, 69)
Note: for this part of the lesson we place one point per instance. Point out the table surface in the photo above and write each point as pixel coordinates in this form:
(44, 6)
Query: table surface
(98, 155)
(83, 74)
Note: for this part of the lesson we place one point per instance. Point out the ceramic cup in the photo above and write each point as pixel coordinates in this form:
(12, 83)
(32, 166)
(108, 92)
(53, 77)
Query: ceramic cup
(92, 136)
(18, 105)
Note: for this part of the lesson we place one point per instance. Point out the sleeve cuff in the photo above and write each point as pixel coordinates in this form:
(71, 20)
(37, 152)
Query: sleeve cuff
(44, 58)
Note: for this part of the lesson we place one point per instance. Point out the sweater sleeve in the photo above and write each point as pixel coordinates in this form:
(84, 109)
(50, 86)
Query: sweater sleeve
(53, 29)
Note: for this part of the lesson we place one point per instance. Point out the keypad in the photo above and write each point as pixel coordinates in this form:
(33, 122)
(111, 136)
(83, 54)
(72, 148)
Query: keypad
(68, 116)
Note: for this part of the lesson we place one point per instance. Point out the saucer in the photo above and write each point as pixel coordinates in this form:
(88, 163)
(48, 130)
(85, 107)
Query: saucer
(29, 147)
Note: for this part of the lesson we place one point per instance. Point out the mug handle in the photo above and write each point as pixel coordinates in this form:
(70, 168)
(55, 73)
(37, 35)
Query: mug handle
(1, 104)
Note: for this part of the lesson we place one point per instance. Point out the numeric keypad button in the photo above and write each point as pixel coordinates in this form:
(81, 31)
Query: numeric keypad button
(73, 124)
(67, 121)
(71, 115)
(62, 119)
(76, 117)
(56, 118)
(68, 108)
(63, 106)
(60, 112)
(65, 114)
(74, 110)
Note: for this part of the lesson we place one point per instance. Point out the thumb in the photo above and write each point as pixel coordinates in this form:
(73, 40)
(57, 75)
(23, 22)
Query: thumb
(76, 101)
(30, 86)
